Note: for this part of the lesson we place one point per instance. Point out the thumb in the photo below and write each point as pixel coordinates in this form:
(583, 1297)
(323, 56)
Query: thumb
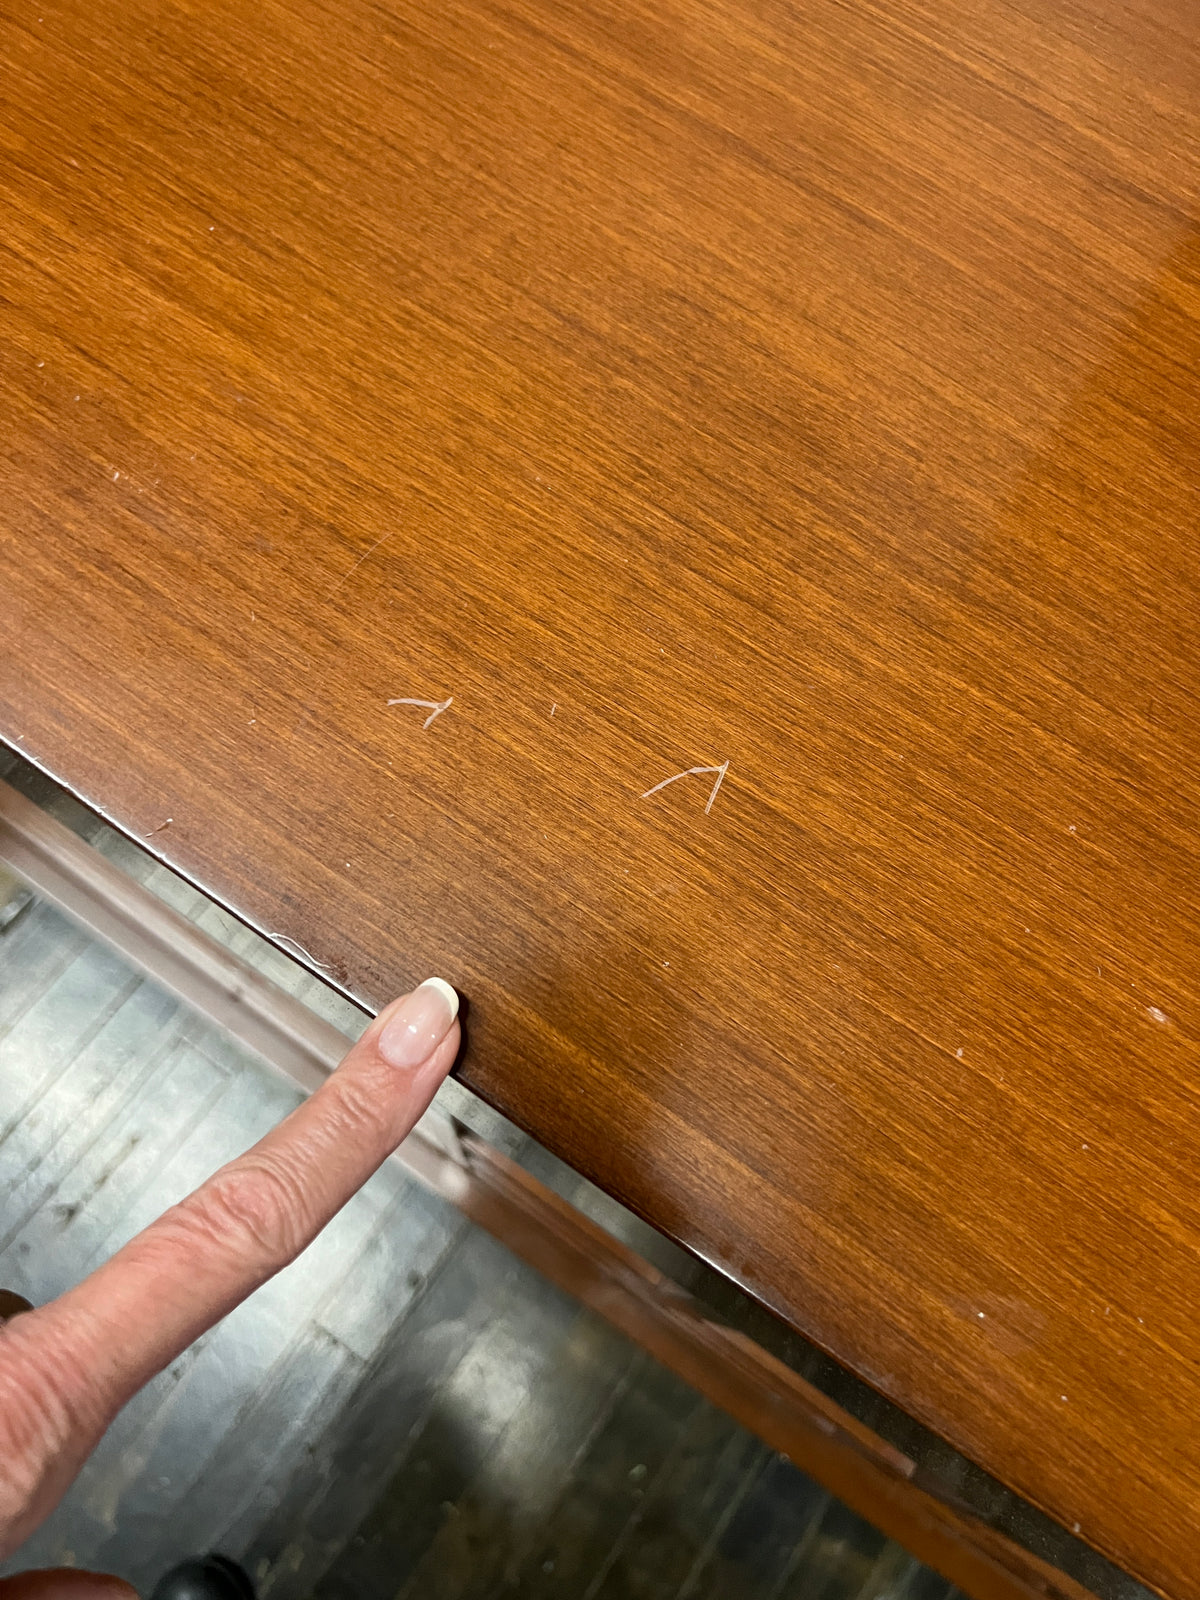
(68, 1367)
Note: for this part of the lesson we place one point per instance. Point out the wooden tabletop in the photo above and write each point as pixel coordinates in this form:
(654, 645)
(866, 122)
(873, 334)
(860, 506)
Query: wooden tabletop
(810, 392)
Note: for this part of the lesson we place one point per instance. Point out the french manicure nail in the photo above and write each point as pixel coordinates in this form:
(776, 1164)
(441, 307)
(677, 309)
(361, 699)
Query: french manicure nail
(419, 1024)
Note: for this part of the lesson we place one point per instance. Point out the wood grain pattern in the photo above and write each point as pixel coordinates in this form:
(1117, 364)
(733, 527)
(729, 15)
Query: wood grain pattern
(789, 1415)
(813, 388)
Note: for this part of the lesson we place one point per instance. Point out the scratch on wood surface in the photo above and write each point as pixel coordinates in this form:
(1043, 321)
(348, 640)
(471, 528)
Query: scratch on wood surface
(691, 772)
(346, 576)
(282, 938)
(434, 707)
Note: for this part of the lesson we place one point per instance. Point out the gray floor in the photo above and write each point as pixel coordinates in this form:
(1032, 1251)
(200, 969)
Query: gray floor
(407, 1410)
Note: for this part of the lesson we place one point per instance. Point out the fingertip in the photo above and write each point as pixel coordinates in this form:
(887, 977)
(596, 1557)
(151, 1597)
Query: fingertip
(417, 1025)
(447, 992)
(443, 1058)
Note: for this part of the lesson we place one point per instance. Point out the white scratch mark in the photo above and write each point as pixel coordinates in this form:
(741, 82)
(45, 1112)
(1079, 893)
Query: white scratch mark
(434, 707)
(116, 475)
(159, 829)
(693, 772)
(1159, 1016)
(554, 708)
(958, 1053)
(1075, 1526)
(1071, 829)
(282, 938)
(346, 576)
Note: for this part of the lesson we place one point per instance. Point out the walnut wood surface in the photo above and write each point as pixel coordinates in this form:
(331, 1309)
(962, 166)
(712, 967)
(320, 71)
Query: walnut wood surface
(813, 387)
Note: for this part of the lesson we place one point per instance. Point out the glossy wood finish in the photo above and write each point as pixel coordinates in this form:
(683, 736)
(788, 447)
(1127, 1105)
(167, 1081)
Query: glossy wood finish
(568, 1249)
(808, 387)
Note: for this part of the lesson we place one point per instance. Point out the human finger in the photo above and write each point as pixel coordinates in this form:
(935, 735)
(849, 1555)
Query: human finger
(66, 1368)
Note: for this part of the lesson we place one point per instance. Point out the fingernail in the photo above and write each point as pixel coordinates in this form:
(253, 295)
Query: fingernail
(419, 1024)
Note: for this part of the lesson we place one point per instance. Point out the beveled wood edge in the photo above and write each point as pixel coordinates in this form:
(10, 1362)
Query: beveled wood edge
(575, 1254)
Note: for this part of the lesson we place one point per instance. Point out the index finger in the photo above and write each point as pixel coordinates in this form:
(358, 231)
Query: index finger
(68, 1367)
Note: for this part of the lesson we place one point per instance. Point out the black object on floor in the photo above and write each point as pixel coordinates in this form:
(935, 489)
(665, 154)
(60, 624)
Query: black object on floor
(210, 1577)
